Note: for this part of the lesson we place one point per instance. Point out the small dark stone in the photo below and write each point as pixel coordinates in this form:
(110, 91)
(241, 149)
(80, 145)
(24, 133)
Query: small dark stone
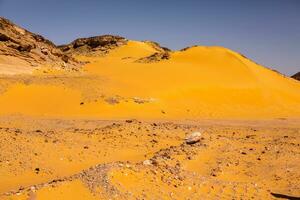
(3, 37)
(153, 141)
(37, 170)
(25, 47)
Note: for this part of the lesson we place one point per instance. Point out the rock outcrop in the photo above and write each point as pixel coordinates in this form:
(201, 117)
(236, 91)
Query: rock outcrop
(34, 50)
(162, 53)
(97, 45)
(296, 76)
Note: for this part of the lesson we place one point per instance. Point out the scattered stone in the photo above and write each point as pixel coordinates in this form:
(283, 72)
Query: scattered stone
(129, 121)
(32, 188)
(112, 100)
(154, 141)
(193, 138)
(147, 162)
(37, 170)
(139, 100)
(156, 57)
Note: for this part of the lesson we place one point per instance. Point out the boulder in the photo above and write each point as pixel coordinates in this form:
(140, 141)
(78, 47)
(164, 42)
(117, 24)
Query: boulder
(193, 138)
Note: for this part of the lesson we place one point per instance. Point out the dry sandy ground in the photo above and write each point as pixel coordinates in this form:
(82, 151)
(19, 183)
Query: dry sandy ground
(93, 159)
(54, 145)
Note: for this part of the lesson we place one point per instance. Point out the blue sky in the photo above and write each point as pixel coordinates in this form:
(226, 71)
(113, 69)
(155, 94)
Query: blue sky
(266, 31)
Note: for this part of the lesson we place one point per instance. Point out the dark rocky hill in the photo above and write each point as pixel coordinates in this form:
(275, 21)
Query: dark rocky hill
(17, 43)
(97, 45)
(296, 76)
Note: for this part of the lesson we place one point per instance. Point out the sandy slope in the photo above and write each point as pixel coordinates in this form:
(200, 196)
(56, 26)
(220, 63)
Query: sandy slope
(200, 82)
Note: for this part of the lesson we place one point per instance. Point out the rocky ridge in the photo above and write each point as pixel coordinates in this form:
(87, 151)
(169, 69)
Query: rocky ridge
(35, 50)
(296, 76)
(162, 53)
(97, 45)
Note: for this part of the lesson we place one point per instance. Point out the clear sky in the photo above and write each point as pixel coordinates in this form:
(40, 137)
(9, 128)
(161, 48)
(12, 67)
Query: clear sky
(266, 31)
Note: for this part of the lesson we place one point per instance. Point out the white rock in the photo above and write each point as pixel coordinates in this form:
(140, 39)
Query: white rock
(32, 188)
(193, 138)
(147, 162)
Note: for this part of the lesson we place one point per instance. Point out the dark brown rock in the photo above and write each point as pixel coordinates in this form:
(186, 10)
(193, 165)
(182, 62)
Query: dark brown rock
(93, 45)
(3, 37)
(296, 76)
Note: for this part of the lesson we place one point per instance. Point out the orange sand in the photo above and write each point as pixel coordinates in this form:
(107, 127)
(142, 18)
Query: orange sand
(201, 82)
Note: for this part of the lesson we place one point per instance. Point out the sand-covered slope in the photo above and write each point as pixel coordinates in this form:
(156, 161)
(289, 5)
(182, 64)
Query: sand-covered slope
(135, 81)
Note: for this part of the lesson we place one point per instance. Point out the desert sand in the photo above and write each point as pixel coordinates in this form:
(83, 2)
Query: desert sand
(115, 127)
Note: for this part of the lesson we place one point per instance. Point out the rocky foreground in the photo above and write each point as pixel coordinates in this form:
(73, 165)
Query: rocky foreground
(149, 160)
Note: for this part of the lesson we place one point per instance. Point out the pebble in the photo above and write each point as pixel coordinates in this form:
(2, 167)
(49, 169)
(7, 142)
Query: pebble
(147, 162)
(32, 188)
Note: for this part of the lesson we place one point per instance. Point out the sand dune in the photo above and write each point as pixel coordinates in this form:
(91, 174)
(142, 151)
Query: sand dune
(199, 82)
